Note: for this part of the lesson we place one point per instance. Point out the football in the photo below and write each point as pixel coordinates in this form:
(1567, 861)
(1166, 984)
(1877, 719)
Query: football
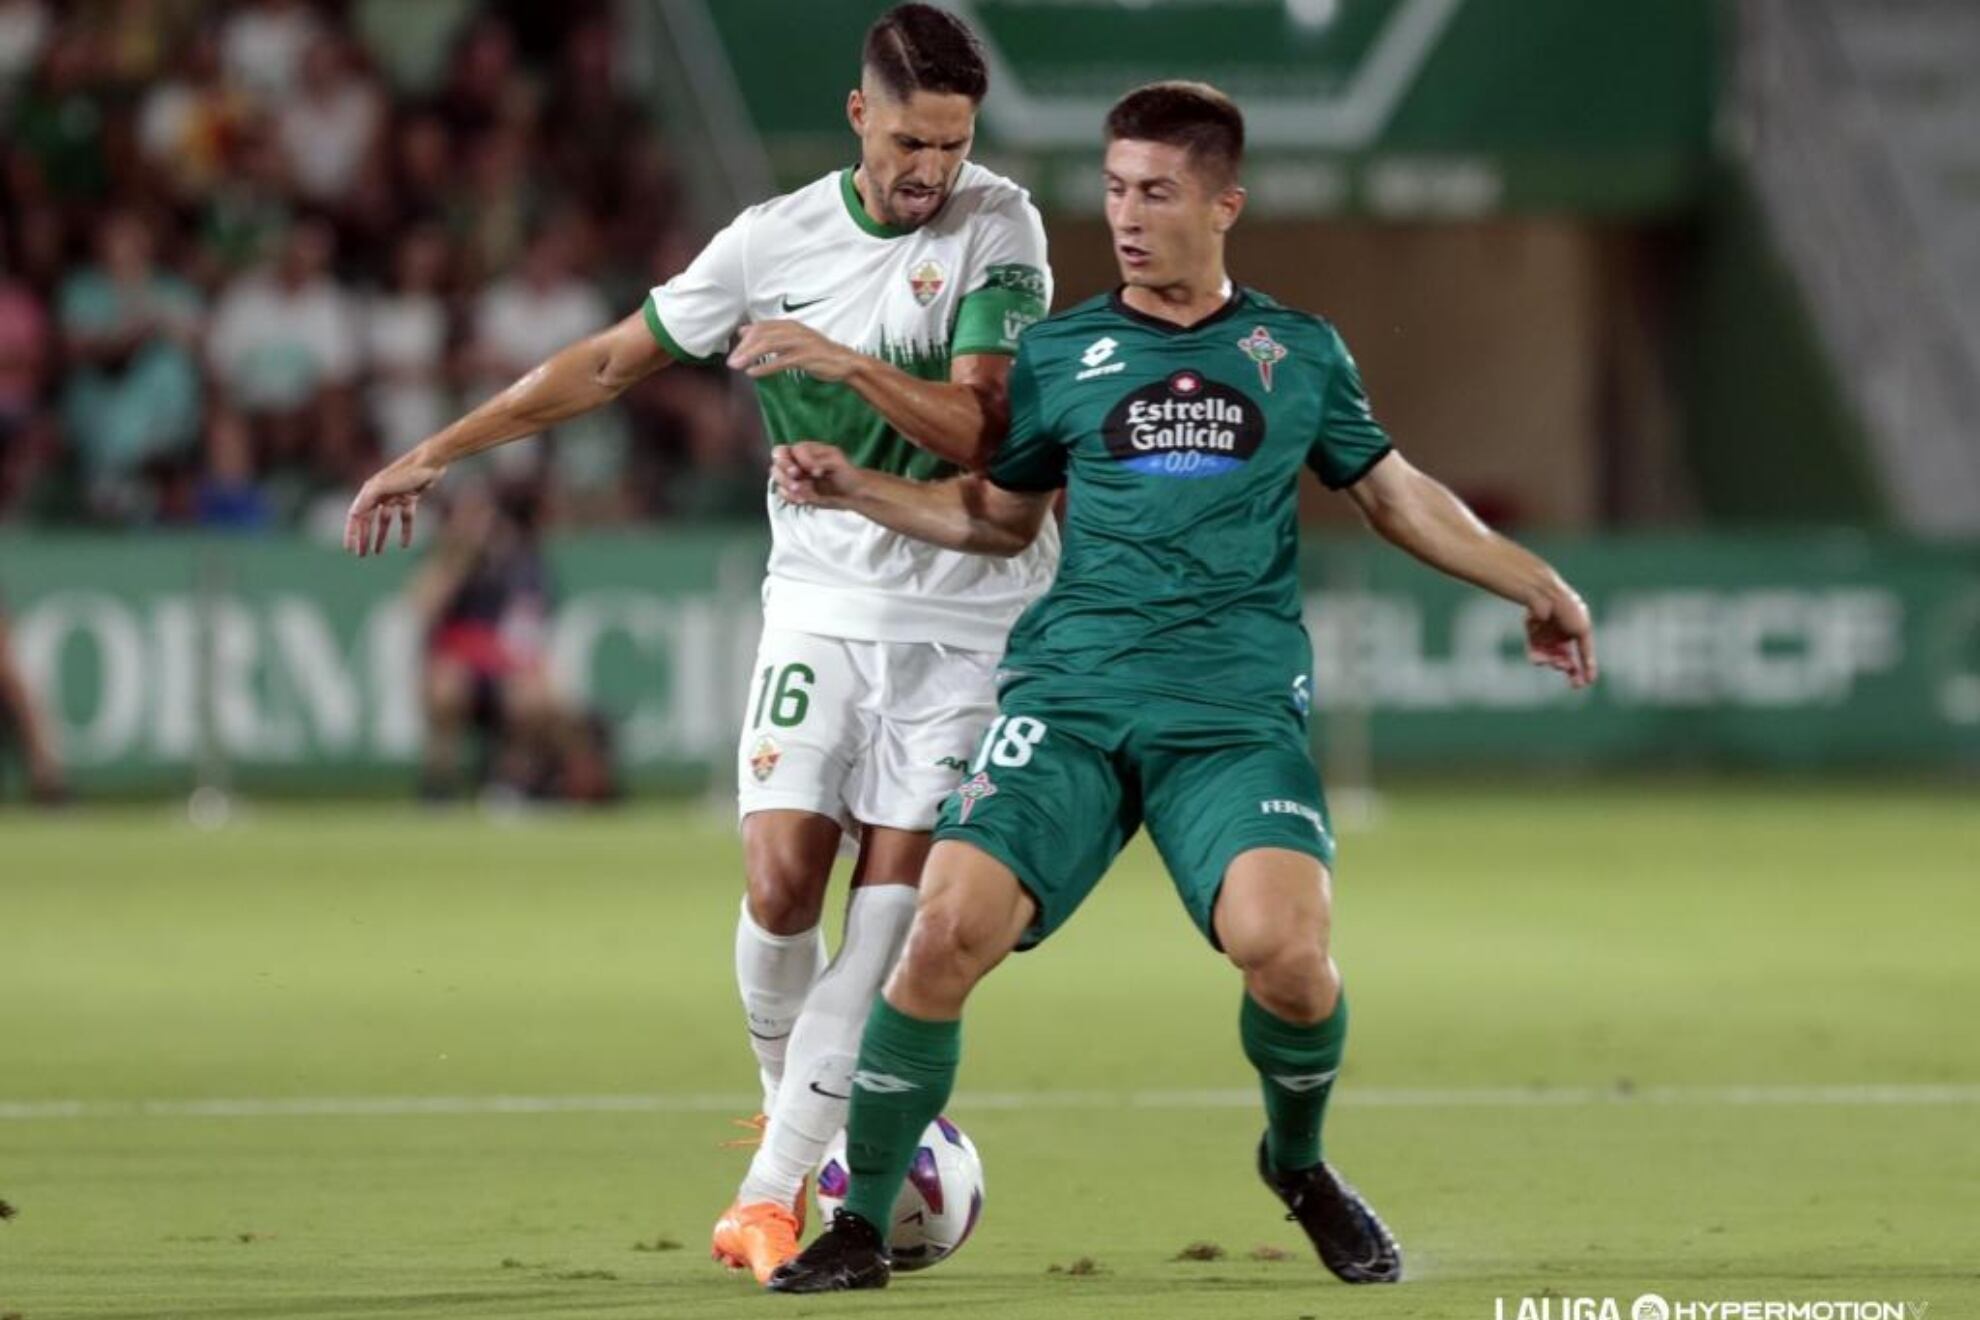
(939, 1203)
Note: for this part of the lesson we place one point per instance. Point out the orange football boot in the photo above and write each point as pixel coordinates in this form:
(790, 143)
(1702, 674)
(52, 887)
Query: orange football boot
(758, 1236)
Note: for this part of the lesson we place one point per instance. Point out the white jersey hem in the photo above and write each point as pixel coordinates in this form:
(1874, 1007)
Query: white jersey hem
(864, 615)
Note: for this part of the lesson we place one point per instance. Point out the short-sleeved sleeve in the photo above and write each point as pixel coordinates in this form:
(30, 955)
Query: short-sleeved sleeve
(1351, 442)
(694, 314)
(1008, 286)
(1032, 457)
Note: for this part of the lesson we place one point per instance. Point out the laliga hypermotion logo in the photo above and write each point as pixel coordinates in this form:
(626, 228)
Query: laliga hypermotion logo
(1264, 350)
(1654, 1306)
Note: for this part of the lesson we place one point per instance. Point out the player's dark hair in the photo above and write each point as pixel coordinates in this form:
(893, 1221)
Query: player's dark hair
(919, 48)
(1192, 115)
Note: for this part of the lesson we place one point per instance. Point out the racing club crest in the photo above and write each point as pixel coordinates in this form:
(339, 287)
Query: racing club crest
(972, 791)
(927, 280)
(1264, 350)
(763, 757)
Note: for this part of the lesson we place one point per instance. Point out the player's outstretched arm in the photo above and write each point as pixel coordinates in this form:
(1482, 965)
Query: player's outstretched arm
(1419, 513)
(587, 375)
(966, 513)
(960, 420)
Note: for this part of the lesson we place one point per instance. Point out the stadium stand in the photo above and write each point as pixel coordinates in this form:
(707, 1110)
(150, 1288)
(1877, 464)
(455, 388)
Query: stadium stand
(248, 249)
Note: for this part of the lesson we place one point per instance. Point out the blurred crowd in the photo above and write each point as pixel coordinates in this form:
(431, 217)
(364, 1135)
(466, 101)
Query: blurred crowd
(250, 250)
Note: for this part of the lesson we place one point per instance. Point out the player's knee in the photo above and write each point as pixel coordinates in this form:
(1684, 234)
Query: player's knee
(1274, 909)
(1299, 983)
(1259, 939)
(950, 943)
(785, 898)
(788, 865)
(1285, 969)
(782, 903)
(1302, 999)
(1276, 953)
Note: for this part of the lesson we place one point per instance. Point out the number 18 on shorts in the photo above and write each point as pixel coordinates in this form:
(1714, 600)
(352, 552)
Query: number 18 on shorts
(1059, 784)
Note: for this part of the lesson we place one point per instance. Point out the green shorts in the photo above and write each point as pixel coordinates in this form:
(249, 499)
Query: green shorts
(1062, 783)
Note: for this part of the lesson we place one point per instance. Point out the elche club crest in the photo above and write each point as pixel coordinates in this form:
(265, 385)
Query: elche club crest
(1263, 350)
(926, 280)
(763, 758)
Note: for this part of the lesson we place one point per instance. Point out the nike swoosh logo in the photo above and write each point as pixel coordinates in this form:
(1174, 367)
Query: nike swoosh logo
(816, 1089)
(790, 306)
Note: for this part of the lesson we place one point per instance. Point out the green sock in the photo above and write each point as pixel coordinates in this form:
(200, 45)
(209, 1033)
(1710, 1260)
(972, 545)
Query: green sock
(1296, 1066)
(907, 1067)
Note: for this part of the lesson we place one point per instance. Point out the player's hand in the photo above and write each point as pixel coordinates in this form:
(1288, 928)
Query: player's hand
(393, 493)
(767, 347)
(813, 474)
(1560, 635)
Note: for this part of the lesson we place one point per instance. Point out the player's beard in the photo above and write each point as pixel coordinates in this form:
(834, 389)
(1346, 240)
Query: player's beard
(901, 216)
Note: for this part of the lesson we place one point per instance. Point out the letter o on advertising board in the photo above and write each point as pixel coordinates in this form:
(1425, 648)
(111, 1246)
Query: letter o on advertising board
(107, 725)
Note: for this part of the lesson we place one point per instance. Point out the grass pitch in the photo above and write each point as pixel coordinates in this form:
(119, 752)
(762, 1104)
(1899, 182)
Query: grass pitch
(1716, 1044)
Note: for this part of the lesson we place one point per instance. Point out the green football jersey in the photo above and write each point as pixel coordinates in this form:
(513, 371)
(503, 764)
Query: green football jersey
(1180, 450)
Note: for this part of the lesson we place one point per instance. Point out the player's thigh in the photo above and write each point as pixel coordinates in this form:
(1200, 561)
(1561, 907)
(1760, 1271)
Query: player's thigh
(973, 911)
(1206, 806)
(890, 856)
(929, 706)
(803, 726)
(969, 888)
(1048, 804)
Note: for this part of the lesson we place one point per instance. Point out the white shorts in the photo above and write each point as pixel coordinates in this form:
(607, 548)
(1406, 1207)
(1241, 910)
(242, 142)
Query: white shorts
(868, 733)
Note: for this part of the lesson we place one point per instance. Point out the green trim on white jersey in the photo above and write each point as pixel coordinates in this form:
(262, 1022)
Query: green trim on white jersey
(856, 207)
(1011, 301)
(668, 342)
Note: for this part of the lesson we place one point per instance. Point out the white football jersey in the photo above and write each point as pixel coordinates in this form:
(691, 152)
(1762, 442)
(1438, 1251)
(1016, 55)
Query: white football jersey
(969, 281)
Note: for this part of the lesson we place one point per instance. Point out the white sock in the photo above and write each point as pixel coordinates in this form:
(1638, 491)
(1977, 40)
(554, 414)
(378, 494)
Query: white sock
(811, 1107)
(774, 973)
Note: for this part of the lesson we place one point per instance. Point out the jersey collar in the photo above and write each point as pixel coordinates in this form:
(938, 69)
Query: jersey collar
(857, 210)
(1229, 309)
